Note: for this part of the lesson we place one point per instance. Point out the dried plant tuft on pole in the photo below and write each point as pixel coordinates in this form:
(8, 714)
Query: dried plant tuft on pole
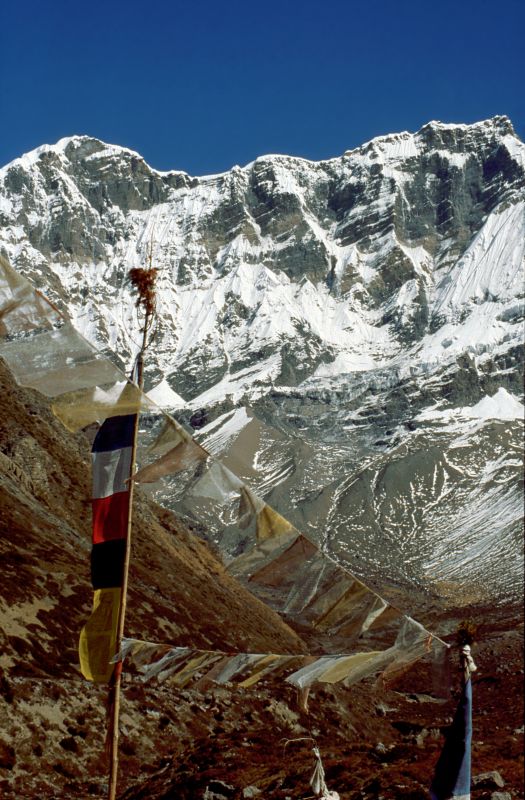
(466, 633)
(143, 280)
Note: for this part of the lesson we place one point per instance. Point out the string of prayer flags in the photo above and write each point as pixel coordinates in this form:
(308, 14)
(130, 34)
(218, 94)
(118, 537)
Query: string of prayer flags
(185, 666)
(412, 643)
(205, 666)
(332, 669)
(292, 575)
(280, 565)
(263, 550)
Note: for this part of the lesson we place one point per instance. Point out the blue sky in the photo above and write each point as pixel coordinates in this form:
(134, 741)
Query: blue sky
(206, 84)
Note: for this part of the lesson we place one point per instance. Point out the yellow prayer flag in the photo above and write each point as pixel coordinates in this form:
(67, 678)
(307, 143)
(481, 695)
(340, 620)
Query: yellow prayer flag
(270, 523)
(262, 668)
(98, 637)
(346, 665)
(78, 409)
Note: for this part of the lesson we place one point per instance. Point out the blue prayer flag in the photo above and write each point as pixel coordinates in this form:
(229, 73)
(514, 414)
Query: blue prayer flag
(452, 773)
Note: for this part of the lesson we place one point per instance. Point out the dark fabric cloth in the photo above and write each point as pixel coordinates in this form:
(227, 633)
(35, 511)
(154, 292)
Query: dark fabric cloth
(115, 433)
(107, 564)
(452, 773)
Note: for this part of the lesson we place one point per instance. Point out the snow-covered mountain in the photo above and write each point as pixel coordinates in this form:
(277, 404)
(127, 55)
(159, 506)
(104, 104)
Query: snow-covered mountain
(357, 323)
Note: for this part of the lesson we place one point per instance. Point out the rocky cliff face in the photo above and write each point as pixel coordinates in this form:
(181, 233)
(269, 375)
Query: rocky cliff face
(368, 309)
(285, 261)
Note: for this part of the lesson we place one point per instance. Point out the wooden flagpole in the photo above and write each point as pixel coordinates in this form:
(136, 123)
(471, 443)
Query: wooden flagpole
(144, 282)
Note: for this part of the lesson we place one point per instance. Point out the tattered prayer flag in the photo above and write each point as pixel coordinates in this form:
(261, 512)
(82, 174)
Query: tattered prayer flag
(195, 667)
(249, 506)
(22, 308)
(180, 457)
(345, 666)
(170, 435)
(270, 523)
(236, 664)
(80, 408)
(98, 636)
(452, 773)
(317, 781)
(217, 483)
(112, 463)
(264, 667)
(207, 681)
(164, 663)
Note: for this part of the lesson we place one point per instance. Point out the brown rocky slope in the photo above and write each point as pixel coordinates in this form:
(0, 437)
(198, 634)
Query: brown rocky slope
(179, 591)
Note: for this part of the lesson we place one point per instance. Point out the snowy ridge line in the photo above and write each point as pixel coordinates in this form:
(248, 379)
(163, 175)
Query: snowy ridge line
(401, 144)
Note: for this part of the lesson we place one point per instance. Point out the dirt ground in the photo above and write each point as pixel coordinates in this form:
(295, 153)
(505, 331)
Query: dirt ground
(375, 743)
